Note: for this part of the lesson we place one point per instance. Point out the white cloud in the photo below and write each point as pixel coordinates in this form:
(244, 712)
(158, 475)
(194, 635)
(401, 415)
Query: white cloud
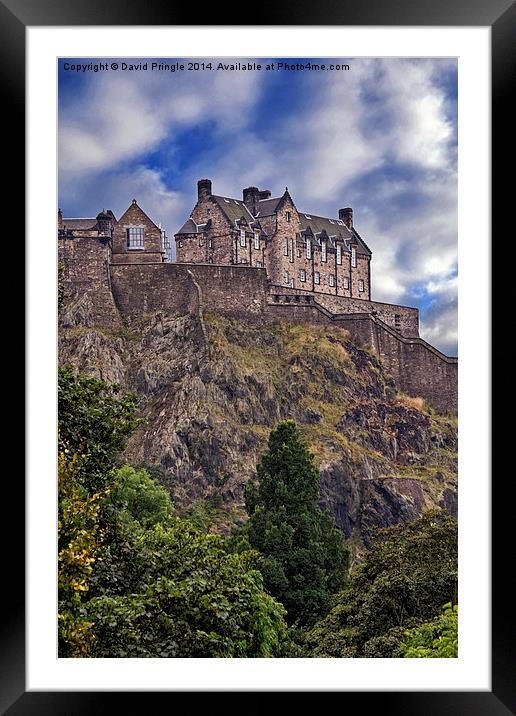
(378, 138)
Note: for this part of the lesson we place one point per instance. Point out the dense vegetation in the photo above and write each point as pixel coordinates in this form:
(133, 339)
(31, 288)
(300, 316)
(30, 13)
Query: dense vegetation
(304, 559)
(409, 573)
(137, 580)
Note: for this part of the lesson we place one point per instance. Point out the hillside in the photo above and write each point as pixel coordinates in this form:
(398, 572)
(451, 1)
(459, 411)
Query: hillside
(212, 390)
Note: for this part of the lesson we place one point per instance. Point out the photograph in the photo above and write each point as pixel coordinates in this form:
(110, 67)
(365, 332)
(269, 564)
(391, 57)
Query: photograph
(257, 274)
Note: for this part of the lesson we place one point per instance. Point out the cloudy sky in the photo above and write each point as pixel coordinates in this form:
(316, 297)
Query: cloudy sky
(381, 137)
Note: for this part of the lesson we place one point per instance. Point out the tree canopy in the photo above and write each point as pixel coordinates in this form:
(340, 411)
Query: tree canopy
(304, 558)
(134, 580)
(405, 578)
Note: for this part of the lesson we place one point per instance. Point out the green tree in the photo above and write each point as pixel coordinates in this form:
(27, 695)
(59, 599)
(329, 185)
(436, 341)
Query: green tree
(95, 419)
(188, 597)
(435, 639)
(409, 572)
(137, 496)
(133, 579)
(304, 558)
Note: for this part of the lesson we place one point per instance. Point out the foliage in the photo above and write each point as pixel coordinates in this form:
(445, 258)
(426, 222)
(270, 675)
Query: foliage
(133, 579)
(138, 497)
(436, 639)
(410, 571)
(188, 598)
(304, 559)
(95, 420)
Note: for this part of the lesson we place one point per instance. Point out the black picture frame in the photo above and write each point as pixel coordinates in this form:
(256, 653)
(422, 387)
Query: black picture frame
(500, 16)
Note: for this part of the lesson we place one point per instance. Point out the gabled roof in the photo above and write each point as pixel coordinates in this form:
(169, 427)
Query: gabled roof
(267, 207)
(233, 208)
(131, 206)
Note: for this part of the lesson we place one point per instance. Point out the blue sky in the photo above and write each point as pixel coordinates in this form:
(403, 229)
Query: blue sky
(381, 137)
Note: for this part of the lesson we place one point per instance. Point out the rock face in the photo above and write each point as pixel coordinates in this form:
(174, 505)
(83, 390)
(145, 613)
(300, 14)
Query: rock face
(211, 390)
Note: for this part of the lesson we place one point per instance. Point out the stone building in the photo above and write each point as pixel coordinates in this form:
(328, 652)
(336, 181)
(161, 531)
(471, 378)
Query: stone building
(134, 238)
(297, 249)
(258, 260)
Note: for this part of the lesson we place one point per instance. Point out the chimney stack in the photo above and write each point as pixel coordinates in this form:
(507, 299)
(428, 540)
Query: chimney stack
(346, 215)
(59, 219)
(203, 189)
(251, 197)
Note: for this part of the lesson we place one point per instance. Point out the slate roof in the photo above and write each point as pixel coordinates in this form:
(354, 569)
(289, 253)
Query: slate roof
(233, 208)
(189, 227)
(267, 207)
(80, 224)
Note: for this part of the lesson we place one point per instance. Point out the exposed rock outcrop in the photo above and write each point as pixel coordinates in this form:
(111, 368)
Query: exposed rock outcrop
(383, 457)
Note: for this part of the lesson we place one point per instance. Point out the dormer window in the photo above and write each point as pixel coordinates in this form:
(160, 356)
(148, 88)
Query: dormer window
(256, 240)
(288, 215)
(242, 238)
(135, 237)
(308, 249)
(339, 254)
(323, 250)
(353, 257)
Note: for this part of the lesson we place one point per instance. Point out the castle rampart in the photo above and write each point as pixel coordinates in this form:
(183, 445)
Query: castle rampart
(119, 270)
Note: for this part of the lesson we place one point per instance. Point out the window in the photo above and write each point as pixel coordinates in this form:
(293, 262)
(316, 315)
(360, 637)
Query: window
(317, 277)
(353, 257)
(331, 278)
(210, 243)
(360, 285)
(291, 283)
(308, 249)
(180, 244)
(285, 247)
(339, 254)
(135, 237)
(346, 282)
(287, 215)
(285, 276)
(323, 250)
(242, 238)
(259, 264)
(256, 240)
(397, 321)
(302, 275)
(291, 250)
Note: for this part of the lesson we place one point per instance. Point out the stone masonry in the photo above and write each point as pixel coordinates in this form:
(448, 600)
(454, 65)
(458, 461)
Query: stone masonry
(234, 257)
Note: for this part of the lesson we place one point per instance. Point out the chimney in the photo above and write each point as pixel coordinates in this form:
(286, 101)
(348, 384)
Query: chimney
(59, 219)
(203, 189)
(265, 194)
(251, 195)
(347, 216)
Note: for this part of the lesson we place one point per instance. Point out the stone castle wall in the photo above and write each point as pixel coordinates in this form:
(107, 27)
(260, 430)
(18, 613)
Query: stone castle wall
(124, 291)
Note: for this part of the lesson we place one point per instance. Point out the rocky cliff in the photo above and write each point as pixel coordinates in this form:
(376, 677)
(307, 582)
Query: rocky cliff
(211, 389)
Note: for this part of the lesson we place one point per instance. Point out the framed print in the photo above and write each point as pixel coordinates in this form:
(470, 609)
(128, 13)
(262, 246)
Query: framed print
(256, 290)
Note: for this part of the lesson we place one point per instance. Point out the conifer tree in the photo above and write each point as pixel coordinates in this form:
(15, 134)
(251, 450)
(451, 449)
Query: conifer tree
(304, 558)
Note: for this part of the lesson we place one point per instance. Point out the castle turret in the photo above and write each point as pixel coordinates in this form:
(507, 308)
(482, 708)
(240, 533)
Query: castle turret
(203, 189)
(104, 224)
(346, 215)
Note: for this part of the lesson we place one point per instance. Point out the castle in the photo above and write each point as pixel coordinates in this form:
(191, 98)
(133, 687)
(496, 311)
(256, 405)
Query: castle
(258, 259)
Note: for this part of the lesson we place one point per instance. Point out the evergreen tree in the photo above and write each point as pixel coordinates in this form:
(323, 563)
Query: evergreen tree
(304, 558)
